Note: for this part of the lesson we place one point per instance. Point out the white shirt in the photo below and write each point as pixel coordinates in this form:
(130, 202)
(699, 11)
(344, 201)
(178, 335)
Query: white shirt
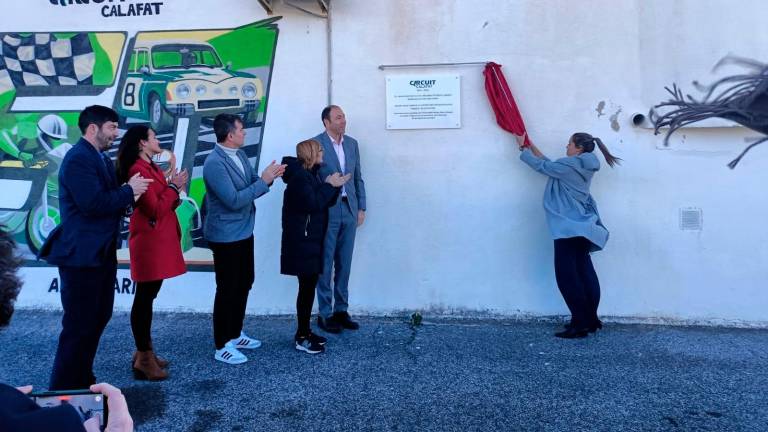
(232, 153)
(339, 149)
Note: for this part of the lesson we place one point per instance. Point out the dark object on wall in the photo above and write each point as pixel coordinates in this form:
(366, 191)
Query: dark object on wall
(502, 101)
(740, 98)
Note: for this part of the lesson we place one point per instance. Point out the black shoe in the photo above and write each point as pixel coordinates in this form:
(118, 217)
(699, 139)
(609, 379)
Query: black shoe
(308, 346)
(328, 324)
(597, 325)
(345, 321)
(317, 339)
(572, 333)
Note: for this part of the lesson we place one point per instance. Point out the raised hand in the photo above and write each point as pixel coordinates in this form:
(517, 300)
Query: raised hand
(271, 172)
(337, 180)
(180, 179)
(521, 140)
(139, 184)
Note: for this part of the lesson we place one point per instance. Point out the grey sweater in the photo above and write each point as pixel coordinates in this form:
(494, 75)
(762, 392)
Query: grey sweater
(570, 209)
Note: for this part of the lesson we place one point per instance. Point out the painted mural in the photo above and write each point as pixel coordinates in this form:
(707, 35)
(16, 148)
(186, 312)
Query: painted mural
(175, 81)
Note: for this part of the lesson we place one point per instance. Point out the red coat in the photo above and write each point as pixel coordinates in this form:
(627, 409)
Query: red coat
(155, 235)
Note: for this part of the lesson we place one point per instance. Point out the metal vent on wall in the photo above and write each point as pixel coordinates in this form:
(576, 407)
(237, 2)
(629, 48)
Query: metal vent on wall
(691, 219)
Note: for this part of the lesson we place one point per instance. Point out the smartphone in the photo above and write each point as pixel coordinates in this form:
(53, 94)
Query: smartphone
(87, 403)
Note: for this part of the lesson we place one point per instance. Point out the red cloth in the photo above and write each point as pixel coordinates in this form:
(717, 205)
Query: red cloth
(155, 247)
(502, 101)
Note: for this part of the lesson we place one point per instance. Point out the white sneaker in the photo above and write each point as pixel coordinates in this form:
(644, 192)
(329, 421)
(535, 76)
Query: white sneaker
(230, 355)
(245, 342)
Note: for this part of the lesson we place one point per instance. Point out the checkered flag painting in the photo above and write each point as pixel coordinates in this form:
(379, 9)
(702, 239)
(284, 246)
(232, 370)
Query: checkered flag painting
(43, 59)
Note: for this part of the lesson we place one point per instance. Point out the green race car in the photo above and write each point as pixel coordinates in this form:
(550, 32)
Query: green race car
(178, 78)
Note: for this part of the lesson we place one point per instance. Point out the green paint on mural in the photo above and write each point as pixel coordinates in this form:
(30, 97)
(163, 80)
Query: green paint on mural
(5, 101)
(197, 190)
(247, 47)
(103, 72)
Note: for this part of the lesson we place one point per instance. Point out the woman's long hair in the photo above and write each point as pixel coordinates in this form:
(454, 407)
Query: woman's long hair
(306, 152)
(586, 143)
(129, 150)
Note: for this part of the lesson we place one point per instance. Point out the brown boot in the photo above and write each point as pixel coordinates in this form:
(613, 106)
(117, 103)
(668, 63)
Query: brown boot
(160, 361)
(163, 363)
(145, 367)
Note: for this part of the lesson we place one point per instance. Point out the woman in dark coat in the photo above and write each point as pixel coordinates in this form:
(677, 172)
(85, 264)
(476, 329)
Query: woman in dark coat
(305, 219)
(154, 242)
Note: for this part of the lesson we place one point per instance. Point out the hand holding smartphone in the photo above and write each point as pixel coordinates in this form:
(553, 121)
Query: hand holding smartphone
(87, 403)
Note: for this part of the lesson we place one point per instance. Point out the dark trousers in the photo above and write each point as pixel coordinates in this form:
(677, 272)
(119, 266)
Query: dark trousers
(233, 265)
(577, 280)
(87, 297)
(141, 313)
(304, 301)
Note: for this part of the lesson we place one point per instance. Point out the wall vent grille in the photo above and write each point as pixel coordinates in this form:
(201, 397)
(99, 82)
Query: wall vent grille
(691, 219)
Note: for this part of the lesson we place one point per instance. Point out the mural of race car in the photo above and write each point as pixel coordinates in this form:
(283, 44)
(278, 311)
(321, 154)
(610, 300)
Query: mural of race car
(178, 78)
(175, 80)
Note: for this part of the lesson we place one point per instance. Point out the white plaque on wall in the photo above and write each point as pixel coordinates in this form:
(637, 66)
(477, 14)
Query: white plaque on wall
(423, 102)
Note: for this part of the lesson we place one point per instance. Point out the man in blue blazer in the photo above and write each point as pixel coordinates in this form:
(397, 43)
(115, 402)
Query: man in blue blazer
(84, 245)
(340, 154)
(231, 187)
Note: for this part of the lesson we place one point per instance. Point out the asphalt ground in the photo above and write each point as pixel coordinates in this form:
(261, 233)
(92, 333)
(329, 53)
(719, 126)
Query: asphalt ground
(445, 375)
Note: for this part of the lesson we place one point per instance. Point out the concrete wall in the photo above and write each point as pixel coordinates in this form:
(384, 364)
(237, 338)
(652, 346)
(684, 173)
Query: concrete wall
(454, 220)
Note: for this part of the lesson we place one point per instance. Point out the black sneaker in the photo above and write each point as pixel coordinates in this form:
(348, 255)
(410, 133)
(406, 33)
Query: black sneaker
(345, 321)
(308, 346)
(317, 339)
(328, 324)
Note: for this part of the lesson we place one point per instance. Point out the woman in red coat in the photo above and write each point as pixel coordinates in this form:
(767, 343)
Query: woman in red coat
(154, 242)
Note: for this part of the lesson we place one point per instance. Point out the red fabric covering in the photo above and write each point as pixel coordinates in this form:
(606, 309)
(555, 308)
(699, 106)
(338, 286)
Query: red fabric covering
(502, 101)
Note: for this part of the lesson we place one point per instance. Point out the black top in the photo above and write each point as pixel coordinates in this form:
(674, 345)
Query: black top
(305, 219)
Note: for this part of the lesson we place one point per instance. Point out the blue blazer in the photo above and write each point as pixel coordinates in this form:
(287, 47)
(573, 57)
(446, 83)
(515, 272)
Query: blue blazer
(230, 211)
(355, 187)
(91, 205)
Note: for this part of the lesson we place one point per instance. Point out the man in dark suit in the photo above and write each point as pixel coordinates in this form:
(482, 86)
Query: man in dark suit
(340, 154)
(84, 245)
(18, 412)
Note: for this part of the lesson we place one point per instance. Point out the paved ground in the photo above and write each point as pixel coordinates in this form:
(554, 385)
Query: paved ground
(446, 375)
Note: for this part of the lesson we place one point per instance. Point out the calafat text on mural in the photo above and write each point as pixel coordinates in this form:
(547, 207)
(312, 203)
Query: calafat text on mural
(115, 8)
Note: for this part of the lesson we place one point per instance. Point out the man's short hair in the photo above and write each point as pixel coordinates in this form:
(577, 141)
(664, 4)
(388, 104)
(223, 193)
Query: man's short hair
(224, 124)
(95, 114)
(10, 284)
(326, 114)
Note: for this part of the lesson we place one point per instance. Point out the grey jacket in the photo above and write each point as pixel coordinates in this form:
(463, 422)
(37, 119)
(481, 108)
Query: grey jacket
(355, 187)
(229, 197)
(570, 209)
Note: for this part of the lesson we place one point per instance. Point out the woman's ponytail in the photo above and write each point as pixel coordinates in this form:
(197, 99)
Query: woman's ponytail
(611, 159)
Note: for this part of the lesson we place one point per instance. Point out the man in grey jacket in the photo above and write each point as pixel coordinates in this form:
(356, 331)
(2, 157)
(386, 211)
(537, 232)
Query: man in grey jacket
(232, 185)
(340, 154)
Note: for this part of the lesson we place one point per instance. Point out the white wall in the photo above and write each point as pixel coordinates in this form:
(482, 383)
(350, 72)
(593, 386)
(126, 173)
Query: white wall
(454, 221)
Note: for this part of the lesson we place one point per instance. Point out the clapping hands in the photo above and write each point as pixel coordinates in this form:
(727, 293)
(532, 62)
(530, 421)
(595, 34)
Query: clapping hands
(180, 178)
(337, 180)
(272, 172)
(139, 185)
